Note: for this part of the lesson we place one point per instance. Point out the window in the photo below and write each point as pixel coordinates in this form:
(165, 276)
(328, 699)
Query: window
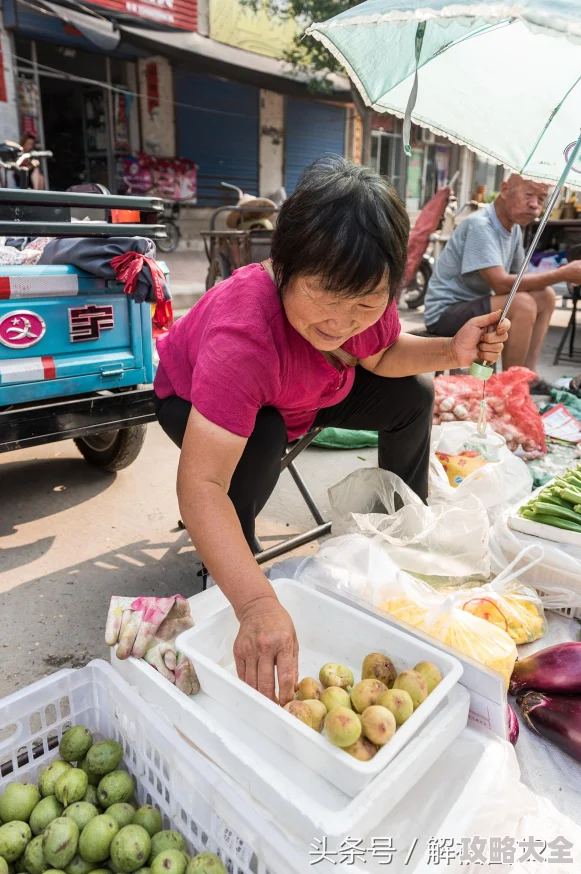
(386, 157)
(487, 174)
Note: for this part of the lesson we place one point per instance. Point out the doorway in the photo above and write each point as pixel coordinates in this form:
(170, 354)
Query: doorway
(62, 107)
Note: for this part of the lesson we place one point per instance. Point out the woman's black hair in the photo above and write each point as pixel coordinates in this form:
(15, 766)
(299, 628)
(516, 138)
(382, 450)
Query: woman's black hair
(345, 225)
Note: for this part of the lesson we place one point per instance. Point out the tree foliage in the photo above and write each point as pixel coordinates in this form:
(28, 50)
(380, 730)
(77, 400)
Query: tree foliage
(307, 55)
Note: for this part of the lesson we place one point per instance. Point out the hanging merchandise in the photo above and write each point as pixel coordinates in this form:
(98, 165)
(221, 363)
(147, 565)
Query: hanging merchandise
(122, 110)
(29, 105)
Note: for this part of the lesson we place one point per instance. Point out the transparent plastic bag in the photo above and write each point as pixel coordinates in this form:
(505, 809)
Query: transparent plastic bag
(442, 541)
(508, 603)
(416, 603)
(498, 483)
(557, 578)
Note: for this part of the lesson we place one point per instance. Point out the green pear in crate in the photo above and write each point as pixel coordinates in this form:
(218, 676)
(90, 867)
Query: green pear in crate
(149, 818)
(60, 841)
(75, 743)
(49, 776)
(14, 837)
(18, 801)
(46, 810)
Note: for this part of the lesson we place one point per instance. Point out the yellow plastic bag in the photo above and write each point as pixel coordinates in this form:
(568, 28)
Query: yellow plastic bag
(421, 606)
(508, 604)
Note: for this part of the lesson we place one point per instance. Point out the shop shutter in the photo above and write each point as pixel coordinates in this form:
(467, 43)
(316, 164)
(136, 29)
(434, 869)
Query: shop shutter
(312, 129)
(218, 129)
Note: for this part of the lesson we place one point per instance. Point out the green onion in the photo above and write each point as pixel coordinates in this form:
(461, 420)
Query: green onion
(554, 521)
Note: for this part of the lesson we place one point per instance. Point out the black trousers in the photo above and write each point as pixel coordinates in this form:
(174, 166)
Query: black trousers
(399, 409)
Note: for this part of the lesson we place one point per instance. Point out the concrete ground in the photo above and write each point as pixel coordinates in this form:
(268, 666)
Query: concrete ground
(70, 536)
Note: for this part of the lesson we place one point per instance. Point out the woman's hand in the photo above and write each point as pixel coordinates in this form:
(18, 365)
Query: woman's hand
(266, 640)
(480, 338)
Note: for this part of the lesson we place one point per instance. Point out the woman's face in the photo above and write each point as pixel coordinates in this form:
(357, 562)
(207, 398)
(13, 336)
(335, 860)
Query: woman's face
(29, 144)
(326, 320)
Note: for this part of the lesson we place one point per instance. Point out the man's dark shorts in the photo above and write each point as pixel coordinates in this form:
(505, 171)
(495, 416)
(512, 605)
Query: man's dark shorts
(458, 314)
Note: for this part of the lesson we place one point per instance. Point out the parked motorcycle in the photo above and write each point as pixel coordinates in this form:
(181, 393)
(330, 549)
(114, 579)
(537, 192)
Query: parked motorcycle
(21, 163)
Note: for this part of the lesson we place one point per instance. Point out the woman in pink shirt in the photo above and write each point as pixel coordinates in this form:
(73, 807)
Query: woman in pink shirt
(310, 338)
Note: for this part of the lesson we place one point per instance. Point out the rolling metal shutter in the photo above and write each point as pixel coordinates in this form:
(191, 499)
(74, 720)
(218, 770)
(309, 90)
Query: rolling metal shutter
(312, 129)
(220, 133)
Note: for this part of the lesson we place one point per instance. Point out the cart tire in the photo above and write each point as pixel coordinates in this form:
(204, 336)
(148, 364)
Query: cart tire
(112, 450)
(169, 243)
(415, 294)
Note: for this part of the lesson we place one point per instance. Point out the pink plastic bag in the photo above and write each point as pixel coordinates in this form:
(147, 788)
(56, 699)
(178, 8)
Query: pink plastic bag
(511, 411)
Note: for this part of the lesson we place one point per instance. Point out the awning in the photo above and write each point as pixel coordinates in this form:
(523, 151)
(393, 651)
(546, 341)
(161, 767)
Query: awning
(97, 29)
(201, 54)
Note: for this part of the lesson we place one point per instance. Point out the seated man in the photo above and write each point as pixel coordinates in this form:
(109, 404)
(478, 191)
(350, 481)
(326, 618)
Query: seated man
(482, 259)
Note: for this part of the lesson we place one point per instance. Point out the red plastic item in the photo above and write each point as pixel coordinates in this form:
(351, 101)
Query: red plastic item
(426, 224)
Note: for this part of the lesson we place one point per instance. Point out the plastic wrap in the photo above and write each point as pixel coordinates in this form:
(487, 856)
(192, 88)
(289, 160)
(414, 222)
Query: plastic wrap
(498, 483)
(416, 603)
(508, 603)
(447, 541)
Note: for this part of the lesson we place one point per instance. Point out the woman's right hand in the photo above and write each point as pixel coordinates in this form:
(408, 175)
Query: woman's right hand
(267, 640)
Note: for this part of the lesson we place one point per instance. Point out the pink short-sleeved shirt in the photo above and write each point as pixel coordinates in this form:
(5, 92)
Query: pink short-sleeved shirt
(236, 352)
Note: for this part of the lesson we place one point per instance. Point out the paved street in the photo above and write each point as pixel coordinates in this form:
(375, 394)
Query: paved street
(70, 537)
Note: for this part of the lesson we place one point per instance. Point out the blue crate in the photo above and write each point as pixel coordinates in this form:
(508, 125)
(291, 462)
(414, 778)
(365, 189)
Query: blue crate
(64, 332)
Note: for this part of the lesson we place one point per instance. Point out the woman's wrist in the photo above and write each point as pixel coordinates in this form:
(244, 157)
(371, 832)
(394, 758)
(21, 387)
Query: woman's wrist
(258, 604)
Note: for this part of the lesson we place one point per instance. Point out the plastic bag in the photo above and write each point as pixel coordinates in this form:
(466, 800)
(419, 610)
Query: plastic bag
(498, 484)
(507, 603)
(511, 411)
(557, 578)
(416, 603)
(445, 540)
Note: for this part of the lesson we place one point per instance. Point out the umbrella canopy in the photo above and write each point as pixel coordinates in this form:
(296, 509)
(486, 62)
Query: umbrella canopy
(507, 89)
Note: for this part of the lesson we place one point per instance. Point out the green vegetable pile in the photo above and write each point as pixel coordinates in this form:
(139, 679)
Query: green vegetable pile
(83, 820)
(559, 503)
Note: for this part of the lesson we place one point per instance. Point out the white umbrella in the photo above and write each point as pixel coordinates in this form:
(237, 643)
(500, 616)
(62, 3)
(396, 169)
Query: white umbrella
(508, 89)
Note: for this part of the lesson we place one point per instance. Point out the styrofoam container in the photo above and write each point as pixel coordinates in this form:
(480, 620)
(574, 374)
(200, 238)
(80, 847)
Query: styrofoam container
(547, 532)
(193, 796)
(328, 631)
(305, 804)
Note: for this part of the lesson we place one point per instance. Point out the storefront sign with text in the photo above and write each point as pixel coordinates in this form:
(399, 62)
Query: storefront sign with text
(173, 13)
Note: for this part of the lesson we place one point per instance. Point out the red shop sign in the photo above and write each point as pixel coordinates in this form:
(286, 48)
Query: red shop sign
(173, 13)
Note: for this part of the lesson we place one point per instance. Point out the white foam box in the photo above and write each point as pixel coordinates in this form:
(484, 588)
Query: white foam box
(304, 804)
(328, 631)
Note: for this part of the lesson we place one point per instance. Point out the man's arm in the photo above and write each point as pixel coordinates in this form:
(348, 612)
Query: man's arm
(502, 282)
(481, 337)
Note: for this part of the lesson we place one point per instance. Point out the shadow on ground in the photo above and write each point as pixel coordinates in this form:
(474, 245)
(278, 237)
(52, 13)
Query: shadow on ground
(37, 488)
(66, 610)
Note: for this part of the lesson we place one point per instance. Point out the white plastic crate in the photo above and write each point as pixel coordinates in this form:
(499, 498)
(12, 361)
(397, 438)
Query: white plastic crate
(193, 796)
(328, 631)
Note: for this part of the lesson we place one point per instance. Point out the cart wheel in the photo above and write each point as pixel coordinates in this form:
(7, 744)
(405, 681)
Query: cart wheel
(169, 243)
(415, 293)
(218, 270)
(112, 450)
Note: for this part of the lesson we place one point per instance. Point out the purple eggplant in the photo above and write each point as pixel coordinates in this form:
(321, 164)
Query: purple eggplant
(554, 717)
(513, 727)
(556, 670)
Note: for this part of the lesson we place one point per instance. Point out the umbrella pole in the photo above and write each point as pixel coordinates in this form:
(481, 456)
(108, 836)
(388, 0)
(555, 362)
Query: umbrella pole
(481, 369)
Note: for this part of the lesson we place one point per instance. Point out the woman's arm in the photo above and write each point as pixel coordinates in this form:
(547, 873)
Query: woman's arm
(410, 356)
(267, 638)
